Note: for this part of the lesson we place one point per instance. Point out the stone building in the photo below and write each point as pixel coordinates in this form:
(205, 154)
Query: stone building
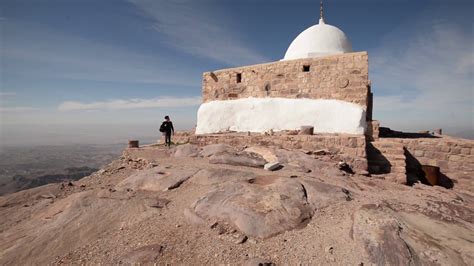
(321, 82)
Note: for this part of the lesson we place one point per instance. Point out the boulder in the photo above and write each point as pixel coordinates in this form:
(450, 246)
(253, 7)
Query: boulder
(186, 150)
(307, 163)
(266, 153)
(213, 149)
(261, 208)
(272, 166)
(238, 159)
(266, 206)
(212, 176)
(321, 195)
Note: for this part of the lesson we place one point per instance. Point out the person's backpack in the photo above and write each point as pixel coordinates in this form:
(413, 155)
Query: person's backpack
(163, 127)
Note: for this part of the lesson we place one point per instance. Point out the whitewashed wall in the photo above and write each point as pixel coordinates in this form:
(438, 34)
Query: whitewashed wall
(263, 114)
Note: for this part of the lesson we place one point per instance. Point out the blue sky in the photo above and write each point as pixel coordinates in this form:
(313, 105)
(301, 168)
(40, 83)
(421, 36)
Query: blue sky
(80, 68)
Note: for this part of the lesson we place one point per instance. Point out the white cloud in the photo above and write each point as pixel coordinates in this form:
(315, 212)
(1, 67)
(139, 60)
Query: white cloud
(131, 104)
(426, 79)
(202, 33)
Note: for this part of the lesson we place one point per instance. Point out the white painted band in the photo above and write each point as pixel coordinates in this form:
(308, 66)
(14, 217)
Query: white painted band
(263, 114)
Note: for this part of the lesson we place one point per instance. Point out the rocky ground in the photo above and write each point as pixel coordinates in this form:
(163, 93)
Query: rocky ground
(218, 205)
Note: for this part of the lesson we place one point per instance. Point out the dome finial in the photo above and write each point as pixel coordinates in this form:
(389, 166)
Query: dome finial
(321, 12)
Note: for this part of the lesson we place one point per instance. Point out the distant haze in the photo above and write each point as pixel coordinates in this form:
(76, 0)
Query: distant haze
(33, 135)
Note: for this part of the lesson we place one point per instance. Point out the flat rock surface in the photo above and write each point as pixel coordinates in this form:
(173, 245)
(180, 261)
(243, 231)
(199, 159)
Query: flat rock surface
(156, 179)
(186, 150)
(213, 149)
(238, 159)
(151, 207)
(214, 176)
(261, 208)
(406, 238)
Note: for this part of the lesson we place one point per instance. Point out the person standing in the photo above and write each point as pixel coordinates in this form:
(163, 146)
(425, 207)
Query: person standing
(168, 129)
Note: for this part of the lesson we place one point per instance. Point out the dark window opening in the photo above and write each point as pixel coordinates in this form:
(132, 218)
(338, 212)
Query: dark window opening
(306, 68)
(267, 89)
(239, 78)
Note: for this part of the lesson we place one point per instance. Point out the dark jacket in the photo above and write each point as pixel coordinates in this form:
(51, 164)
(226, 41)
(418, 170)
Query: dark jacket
(167, 127)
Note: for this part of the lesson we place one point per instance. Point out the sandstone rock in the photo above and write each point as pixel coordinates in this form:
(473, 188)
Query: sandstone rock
(381, 236)
(213, 149)
(306, 163)
(266, 206)
(238, 159)
(256, 208)
(240, 239)
(186, 150)
(160, 203)
(266, 153)
(405, 236)
(272, 166)
(321, 195)
(213, 176)
(156, 179)
(321, 152)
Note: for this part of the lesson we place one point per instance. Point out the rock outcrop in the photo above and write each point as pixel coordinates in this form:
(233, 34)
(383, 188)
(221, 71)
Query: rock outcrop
(155, 179)
(217, 205)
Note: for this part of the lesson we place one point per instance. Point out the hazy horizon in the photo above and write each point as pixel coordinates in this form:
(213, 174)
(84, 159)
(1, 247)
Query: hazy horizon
(41, 135)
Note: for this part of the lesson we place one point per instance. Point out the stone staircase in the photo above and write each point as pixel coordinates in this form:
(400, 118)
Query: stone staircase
(386, 158)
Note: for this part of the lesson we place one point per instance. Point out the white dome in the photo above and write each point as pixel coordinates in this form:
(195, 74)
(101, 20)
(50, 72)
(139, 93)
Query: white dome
(319, 40)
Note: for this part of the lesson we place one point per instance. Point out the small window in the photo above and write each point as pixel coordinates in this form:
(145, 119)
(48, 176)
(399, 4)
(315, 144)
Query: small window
(239, 77)
(306, 68)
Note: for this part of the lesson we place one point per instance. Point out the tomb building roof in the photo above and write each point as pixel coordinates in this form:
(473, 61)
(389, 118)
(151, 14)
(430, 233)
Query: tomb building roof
(319, 40)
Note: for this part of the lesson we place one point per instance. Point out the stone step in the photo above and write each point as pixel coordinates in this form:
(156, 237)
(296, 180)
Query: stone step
(387, 157)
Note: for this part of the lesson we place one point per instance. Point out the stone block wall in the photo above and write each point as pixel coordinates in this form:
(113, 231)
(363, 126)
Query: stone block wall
(454, 156)
(340, 77)
(351, 148)
(179, 137)
(388, 158)
(373, 130)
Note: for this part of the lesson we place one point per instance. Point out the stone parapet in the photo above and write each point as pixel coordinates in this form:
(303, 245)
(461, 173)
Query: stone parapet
(373, 130)
(179, 137)
(454, 156)
(351, 148)
(387, 157)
